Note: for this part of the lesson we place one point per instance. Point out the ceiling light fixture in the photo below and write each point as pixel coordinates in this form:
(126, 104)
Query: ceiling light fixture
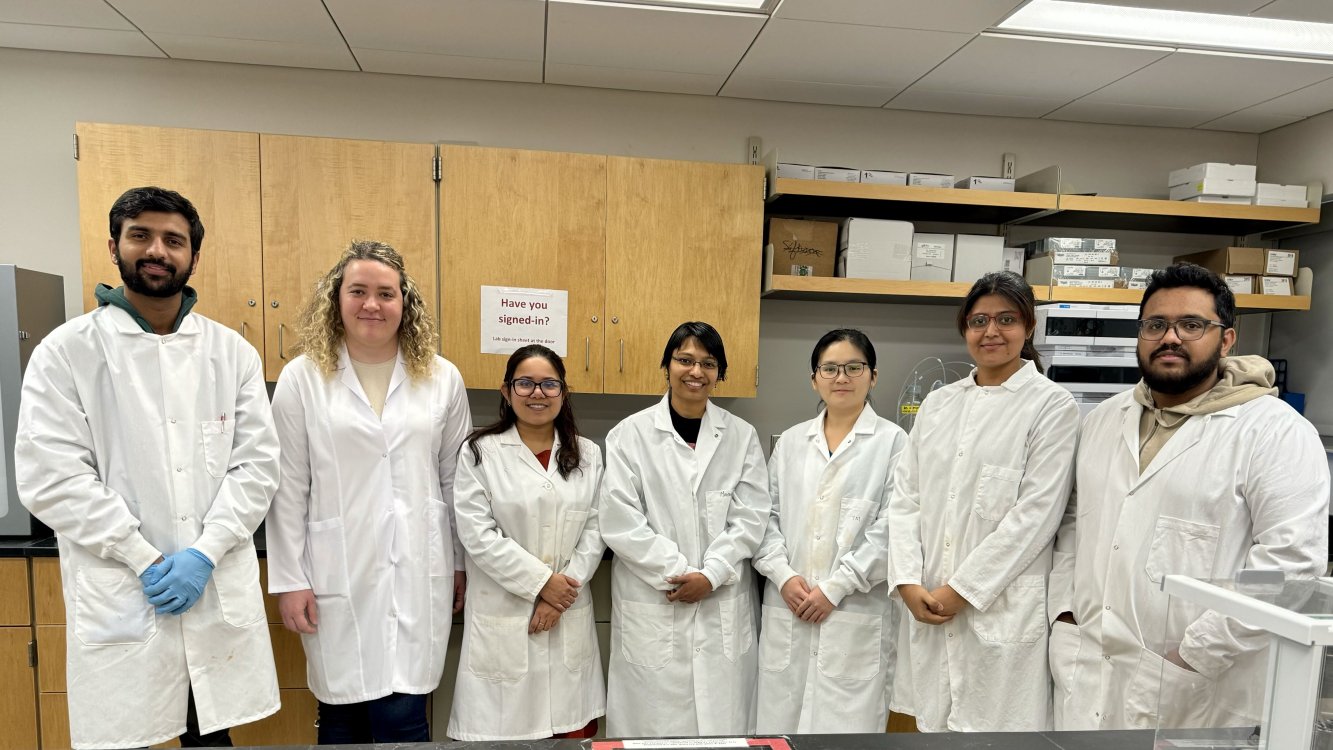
(1205, 31)
(740, 6)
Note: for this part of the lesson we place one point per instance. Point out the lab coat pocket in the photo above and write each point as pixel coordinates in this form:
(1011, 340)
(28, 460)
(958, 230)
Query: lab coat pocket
(647, 633)
(110, 608)
(571, 530)
(997, 491)
(439, 542)
(775, 639)
(850, 645)
(498, 647)
(217, 437)
(326, 548)
(1018, 614)
(737, 627)
(236, 581)
(853, 517)
(1163, 694)
(1181, 547)
(716, 505)
(1063, 651)
(576, 636)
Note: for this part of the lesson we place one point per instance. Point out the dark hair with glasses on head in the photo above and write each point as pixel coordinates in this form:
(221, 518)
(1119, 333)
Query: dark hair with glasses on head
(568, 458)
(1180, 275)
(1017, 292)
(708, 338)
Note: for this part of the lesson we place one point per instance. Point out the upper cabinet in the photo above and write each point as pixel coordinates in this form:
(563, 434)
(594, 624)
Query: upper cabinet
(319, 194)
(218, 171)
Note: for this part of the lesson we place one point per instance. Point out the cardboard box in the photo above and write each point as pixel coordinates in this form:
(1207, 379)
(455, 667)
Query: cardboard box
(932, 257)
(1240, 283)
(1045, 252)
(803, 248)
(1049, 244)
(1116, 283)
(875, 249)
(1042, 271)
(837, 174)
(1227, 188)
(1279, 285)
(1002, 184)
(1137, 273)
(1139, 284)
(1228, 260)
(976, 255)
(1211, 170)
(929, 179)
(1275, 192)
(880, 177)
(1281, 262)
(1013, 260)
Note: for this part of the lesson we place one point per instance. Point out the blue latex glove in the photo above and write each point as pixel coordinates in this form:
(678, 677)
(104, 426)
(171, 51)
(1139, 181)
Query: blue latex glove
(183, 583)
(155, 572)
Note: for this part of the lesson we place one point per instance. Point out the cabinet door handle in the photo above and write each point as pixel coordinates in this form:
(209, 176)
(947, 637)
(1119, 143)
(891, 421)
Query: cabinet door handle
(587, 353)
(622, 355)
(245, 330)
(281, 354)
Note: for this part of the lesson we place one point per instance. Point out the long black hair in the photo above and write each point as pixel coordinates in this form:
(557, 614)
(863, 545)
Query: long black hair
(568, 458)
(1015, 290)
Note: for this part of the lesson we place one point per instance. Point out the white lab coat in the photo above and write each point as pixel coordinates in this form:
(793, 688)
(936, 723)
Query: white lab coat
(829, 525)
(666, 510)
(518, 523)
(363, 518)
(133, 445)
(1244, 487)
(978, 496)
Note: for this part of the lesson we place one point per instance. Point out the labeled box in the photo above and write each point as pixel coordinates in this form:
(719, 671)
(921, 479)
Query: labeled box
(1137, 273)
(1041, 271)
(1214, 186)
(1038, 247)
(1013, 260)
(1074, 251)
(1271, 191)
(1231, 201)
(1240, 283)
(837, 174)
(881, 177)
(875, 249)
(1250, 261)
(975, 255)
(802, 248)
(929, 179)
(932, 257)
(1002, 184)
(1211, 171)
(1278, 285)
(1281, 262)
(787, 171)
(1116, 283)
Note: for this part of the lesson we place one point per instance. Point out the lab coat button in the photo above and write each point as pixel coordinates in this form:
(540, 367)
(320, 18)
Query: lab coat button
(173, 420)
(953, 495)
(384, 455)
(1108, 608)
(1115, 546)
(950, 635)
(946, 543)
(179, 469)
(546, 486)
(1106, 657)
(960, 454)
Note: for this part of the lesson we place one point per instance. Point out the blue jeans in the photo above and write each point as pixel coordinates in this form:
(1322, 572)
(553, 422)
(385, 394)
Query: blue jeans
(397, 717)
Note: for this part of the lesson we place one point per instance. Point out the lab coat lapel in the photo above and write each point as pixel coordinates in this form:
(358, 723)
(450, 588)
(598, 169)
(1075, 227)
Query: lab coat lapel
(818, 443)
(512, 442)
(710, 436)
(1185, 438)
(399, 375)
(349, 379)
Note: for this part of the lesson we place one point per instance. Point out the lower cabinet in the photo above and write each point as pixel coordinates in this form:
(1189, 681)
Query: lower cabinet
(18, 701)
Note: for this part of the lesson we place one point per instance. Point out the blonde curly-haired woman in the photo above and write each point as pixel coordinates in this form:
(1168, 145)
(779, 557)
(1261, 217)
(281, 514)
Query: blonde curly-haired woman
(362, 551)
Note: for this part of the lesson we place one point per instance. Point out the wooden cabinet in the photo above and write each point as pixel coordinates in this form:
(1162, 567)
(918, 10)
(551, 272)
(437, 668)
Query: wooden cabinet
(18, 696)
(218, 172)
(641, 245)
(319, 194)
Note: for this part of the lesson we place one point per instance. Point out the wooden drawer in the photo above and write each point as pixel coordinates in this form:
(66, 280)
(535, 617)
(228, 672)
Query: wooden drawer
(15, 596)
(48, 602)
(18, 699)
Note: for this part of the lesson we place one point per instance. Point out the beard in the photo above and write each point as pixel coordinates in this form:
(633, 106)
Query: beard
(141, 283)
(1174, 384)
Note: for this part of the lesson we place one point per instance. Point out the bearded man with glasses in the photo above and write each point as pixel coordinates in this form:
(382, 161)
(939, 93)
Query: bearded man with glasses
(1199, 470)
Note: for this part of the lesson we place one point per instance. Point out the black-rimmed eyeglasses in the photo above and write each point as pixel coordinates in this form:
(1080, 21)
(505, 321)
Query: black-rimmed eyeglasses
(527, 386)
(1187, 329)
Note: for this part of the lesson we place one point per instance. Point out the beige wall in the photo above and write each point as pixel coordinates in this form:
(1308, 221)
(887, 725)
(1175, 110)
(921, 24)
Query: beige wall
(1299, 152)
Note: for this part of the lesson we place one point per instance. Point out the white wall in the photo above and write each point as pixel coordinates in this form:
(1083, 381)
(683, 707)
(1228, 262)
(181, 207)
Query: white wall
(1299, 152)
(43, 94)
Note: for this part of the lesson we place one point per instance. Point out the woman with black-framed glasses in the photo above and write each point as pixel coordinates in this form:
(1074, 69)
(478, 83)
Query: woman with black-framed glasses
(526, 505)
(826, 643)
(978, 495)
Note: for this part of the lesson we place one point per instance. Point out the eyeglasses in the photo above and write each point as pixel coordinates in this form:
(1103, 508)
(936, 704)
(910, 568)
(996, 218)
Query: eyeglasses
(1187, 329)
(527, 386)
(1004, 321)
(829, 371)
(688, 364)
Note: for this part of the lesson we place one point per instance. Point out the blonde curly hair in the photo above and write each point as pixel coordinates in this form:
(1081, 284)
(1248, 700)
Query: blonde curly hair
(321, 325)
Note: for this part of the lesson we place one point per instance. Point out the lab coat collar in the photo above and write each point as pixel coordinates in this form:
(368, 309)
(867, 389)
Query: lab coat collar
(710, 434)
(511, 440)
(865, 425)
(1015, 382)
(353, 383)
(123, 322)
(1185, 438)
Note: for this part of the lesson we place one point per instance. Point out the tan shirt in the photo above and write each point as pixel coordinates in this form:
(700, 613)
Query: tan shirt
(375, 381)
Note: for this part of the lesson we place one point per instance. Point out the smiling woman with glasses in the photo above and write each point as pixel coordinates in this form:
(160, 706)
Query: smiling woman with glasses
(978, 494)
(827, 622)
(683, 506)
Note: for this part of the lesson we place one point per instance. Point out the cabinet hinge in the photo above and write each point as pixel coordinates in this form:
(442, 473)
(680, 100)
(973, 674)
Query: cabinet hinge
(32, 654)
(764, 190)
(756, 376)
(76, 147)
(437, 168)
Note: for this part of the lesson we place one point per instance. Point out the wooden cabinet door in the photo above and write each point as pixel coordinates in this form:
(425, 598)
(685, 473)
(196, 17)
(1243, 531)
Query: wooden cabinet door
(522, 219)
(218, 172)
(18, 691)
(319, 194)
(683, 242)
(15, 608)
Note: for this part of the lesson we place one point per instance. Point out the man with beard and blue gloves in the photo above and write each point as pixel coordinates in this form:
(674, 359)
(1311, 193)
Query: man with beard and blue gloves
(146, 443)
(1201, 471)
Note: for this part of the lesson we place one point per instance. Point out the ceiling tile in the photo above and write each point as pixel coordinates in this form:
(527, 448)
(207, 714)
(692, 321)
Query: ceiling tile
(88, 14)
(1224, 83)
(256, 52)
(300, 21)
(971, 103)
(1225, 7)
(70, 39)
(1306, 102)
(486, 29)
(640, 37)
(1053, 69)
(1084, 110)
(1249, 121)
(1319, 11)
(447, 66)
(811, 92)
(840, 53)
(969, 16)
(634, 80)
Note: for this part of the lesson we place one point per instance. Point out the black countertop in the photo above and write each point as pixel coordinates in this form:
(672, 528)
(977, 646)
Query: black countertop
(45, 546)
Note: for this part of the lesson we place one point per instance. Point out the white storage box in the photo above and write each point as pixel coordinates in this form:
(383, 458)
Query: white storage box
(1013, 260)
(1274, 191)
(932, 257)
(837, 174)
(927, 179)
(976, 255)
(880, 177)
(1225, 188)
(1280, 285)
(787, 171)
(875, 249)
(1211, 171)
(1002, 184)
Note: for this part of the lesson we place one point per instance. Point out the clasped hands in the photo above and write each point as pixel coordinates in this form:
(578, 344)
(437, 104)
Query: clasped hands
(557, 595)
(809, 604)
(175, 582)
(932, 607)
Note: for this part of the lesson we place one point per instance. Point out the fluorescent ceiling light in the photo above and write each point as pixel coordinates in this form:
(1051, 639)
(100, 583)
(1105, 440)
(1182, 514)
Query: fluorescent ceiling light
(1213, 31)
(744, 6)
